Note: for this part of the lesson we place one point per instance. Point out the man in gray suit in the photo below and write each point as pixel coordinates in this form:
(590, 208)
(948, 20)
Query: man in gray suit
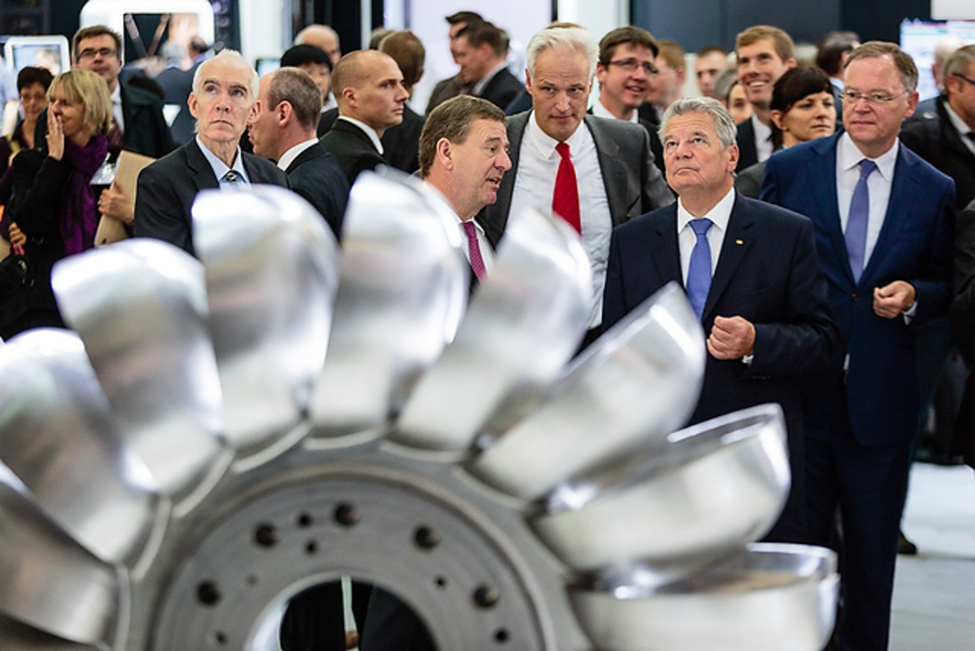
(595, 177)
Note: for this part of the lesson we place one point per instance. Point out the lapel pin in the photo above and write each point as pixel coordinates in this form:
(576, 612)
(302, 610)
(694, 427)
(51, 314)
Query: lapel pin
(739, 242)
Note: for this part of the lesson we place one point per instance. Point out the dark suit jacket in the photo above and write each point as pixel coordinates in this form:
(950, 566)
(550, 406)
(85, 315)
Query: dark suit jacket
(767, 273)
(749, 181)
(167, 188)
(352, 149)
(316, 176)
(502, 89)
(146, 131)
(963, 326)
(327, 120)
(444, 90)
(633, 184)
(401, 143)
(656, 147)
(934, 138)
(747, 152)
(914, 245)
(178, 84)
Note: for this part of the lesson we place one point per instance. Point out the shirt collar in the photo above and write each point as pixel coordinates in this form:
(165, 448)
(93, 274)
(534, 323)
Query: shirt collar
(958, 123)
(762, 132)
(545, 144)
(369, 131)
(479, 86)
(719, 215)
(218, 166)
(289, 156)
(848, 156)
(601, 111)
(117, 93)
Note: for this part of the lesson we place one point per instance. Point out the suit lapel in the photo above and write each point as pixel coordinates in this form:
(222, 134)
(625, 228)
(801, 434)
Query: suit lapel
(822, 176)
(612, 168)
(737, 241)
(665, 251)
(203, 176)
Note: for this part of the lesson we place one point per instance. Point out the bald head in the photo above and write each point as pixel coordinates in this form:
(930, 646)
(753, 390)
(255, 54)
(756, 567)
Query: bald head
(942, 52)
(368, 86)
(321, 36)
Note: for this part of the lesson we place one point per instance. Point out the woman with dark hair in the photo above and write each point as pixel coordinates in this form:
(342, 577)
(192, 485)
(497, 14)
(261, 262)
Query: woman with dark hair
(801, 109)
(52, 212)
(32, 85)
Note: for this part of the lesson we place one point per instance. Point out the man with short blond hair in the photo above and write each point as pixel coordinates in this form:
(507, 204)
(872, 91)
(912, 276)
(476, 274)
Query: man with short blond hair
(883, 220)
(368, 86)
(764, 54)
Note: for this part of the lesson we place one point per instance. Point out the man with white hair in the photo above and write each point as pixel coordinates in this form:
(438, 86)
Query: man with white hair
(222, 101)
(321, 36)
(595, 177)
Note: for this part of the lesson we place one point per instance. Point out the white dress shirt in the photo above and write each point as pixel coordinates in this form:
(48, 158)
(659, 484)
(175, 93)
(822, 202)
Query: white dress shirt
(601, 111)
(961, 127)
(763, 139)
(487, 253)
(538, 165)
(117, 106)
(289, 156)
(369, 131)
(848, 158)
(719, 215)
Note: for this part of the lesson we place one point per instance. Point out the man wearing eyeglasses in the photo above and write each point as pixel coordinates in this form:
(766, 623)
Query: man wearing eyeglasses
(625, 68)
(882, 218)
(594, 173)
(137, 112)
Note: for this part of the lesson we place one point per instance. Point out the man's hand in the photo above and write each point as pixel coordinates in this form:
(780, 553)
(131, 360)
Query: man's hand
(731, 338)
(891, 300)
(16, 235)
(116, 204)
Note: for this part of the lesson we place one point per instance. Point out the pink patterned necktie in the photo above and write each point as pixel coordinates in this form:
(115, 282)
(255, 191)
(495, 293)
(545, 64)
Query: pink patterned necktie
(477, 262)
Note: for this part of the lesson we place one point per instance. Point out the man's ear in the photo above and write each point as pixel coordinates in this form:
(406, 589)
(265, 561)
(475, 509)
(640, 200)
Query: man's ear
(284, 111)
(349, 95)
(445, 153)
(191, 102)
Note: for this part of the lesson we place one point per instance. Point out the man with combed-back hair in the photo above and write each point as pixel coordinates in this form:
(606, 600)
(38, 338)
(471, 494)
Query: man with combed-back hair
(368, 86)
(883, 219)
(402, 140)
(224, 92)
(750, 272)
(593, 172)
(283, 128)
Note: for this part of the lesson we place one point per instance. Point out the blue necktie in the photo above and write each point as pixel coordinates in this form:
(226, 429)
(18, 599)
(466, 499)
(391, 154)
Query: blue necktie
(699, 270)
(856, 224)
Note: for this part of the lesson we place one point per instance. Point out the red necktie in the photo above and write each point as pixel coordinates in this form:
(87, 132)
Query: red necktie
(115, 134)
(565, 200)
(477, 262)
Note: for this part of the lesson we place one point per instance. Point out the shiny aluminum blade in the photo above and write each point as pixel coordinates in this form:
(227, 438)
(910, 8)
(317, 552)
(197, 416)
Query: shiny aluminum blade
(272, 272)
(46, 579)
(402, 294)
(705, 493)
(635, 384)
(524, 324)
(140, 307)
(59, 437)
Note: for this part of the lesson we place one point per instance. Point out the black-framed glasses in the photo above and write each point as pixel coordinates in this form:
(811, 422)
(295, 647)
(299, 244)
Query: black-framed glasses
(631, 65)
(90, 53)
(963, 78)
(876, 98)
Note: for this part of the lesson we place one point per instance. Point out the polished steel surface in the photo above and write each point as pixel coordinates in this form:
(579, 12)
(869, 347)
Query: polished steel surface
(47, 580)
(402, 294)
(263, 250)
(140, 307)
(24, 638)
(700, 496)
(90, 482)
(769, 598)
(634, 385)
(525, 322)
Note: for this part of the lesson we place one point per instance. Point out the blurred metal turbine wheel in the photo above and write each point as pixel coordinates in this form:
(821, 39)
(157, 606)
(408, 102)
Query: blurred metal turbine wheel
(220, 435)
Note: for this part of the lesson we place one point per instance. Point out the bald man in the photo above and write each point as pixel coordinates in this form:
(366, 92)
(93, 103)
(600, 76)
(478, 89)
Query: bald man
(321, 36)
(368, 86)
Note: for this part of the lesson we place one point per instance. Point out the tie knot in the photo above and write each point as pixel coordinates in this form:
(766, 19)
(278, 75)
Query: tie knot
(563, 149)
(701, 226)
(231, 177)
(469, 228)
(867, 167)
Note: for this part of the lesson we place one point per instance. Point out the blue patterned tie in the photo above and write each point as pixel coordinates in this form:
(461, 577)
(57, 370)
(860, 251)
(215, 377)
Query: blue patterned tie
(699, 270)
(856, 224)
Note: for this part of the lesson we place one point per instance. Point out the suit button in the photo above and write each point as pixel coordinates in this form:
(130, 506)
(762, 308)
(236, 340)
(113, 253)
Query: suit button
(855, 297)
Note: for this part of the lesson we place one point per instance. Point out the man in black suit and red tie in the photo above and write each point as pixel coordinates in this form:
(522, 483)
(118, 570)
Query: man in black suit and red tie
(464, 155)
(283, 130)
(750, 273)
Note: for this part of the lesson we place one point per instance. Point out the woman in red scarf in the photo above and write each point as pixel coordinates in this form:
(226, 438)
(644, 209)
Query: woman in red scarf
(53, 210)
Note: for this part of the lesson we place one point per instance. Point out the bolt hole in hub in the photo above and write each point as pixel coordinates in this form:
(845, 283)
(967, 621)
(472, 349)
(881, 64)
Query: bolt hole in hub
(421, 570)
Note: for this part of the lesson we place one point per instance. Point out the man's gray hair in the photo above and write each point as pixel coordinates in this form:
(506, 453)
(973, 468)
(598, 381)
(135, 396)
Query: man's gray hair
(237, 59)
(959, 61)
(571, 38)
(723, 124)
